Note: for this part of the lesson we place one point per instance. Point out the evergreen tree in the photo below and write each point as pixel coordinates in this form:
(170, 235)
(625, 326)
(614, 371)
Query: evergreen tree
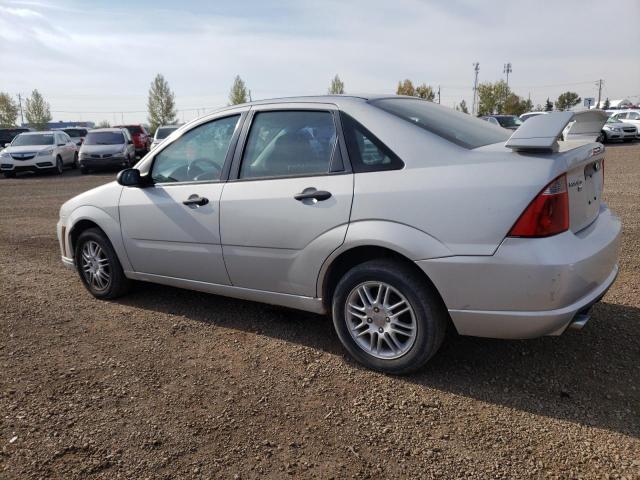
(337, 86)
(567, 100)
(37, 111)
(548, 106)
(239, 92)
(160, 104)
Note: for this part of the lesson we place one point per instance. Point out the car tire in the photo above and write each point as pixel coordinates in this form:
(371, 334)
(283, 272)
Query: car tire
(602, 138)
(59, 168)
(379, 332)
(84, 170)
(98, 265)
(9, 174)
(76, 162)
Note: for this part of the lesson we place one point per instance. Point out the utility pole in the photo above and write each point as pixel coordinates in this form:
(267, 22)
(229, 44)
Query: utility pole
(507, 70)
(476, 69)
(21, 115)
(599, 83)
(438, 94)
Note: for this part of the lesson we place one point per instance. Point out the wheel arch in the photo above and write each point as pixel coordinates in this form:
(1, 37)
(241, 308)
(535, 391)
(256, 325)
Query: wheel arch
(357, 255)
(87, 217)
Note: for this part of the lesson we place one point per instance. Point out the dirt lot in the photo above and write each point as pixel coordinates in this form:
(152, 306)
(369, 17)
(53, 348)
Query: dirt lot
(166, 383)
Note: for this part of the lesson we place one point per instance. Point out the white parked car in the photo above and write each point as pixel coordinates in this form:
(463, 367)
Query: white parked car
(395, 215)
(161, 133)
(628, 116)
(38, 152)
(614, 130)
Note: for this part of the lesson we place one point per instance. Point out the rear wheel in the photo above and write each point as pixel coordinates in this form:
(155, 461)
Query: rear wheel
(84, 170)
(98, 265)
(75, 163)
(602, 138)
(387, 317)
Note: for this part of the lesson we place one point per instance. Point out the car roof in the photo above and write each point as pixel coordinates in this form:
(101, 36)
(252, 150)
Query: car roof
(40, 133)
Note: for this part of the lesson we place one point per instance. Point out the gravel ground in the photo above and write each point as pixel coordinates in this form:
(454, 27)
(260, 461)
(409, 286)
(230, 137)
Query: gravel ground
(167, 383)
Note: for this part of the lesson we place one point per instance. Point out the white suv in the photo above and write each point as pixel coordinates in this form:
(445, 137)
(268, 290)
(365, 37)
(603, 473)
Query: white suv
(38, 151)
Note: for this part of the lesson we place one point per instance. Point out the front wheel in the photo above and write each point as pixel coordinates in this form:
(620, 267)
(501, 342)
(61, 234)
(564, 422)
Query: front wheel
(387, 316)
(9, 174)
(59, 166)
(98, 265)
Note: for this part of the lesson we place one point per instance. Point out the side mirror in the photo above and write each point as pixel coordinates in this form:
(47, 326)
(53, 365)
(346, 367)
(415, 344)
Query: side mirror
(130, 177)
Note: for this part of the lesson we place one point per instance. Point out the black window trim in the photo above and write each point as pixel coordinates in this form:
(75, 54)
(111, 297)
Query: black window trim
(334, 169)
(224, 175)
(357, 168)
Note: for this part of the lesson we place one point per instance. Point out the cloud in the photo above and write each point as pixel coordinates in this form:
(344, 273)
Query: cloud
(103, 57)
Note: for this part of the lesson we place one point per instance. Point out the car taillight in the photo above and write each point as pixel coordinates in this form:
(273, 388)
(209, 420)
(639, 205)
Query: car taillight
(547, 214)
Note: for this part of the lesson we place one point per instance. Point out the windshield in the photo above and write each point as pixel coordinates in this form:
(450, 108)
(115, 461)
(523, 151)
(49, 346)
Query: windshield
(32, 139)
(104, 138)
(509, 121)
(163, 132)
(612, 120)
(75, 132)
(459, 128)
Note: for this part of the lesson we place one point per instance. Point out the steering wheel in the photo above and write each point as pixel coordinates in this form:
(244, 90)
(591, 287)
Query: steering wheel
(201, 169)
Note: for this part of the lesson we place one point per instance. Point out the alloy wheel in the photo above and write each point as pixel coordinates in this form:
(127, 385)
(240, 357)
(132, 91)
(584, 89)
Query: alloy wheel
(381, 320)
(95, 266)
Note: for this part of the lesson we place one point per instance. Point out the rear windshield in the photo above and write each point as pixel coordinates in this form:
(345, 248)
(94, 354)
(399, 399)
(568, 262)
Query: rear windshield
(33, 139)
(508, 121)
(8, 134)
(104, 138)
(459, 128)
(134, 129)
(163, 132)
(75, 132)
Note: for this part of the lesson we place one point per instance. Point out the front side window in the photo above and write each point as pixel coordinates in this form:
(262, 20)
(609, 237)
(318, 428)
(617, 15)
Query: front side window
(198, 155)
(366, 152)
(620, 115)
(286, 143)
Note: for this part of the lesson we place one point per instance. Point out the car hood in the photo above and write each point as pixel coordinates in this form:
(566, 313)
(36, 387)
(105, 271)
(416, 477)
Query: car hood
(28, 148)
(102, 148)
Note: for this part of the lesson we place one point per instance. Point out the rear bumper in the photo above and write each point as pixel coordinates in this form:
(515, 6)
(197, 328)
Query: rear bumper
(529, 287)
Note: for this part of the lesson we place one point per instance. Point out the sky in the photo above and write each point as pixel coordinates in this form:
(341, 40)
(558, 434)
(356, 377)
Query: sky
(95, 60)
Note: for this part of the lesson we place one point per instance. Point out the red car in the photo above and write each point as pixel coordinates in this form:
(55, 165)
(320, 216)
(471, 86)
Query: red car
(141, 138)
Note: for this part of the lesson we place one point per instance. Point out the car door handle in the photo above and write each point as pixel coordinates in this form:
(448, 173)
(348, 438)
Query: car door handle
(312, 193)
(196, 200)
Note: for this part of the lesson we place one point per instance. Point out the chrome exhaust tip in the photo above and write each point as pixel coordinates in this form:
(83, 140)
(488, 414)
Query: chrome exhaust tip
(579, 321)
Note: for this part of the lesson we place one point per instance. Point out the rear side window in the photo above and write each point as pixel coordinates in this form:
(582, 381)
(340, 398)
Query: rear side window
(459, 128)
(633, 116)
(286, 143)
(366, 152)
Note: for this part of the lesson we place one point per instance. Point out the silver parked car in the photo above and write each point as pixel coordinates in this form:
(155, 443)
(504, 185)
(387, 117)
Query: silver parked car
(395, 215)
(107, 148)
(162, 132)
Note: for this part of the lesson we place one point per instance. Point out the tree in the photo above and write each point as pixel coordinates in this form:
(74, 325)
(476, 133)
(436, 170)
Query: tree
(8, 111)
(37, 111)
(607, 104)
(539, 108)
(406, 87)
(103, 124)
(337, 86)
(463, 107)
(548, 106)
(492, 97)
(515, 105)
(160, 104)
(567, 100)
(426, 92)
(239, 92)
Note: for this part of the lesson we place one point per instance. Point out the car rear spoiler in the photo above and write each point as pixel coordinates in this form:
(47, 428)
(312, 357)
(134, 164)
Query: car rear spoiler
(542, 132)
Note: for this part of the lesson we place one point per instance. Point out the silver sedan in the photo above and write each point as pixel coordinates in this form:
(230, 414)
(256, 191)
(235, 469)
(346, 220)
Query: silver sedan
(394, 215)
